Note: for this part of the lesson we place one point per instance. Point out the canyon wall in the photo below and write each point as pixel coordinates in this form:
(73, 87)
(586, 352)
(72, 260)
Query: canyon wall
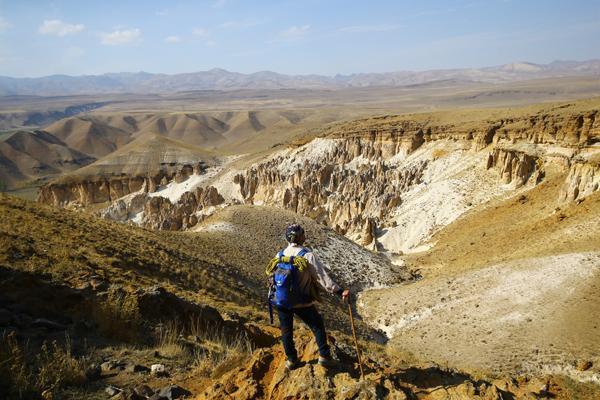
(388, 183)
(86, 191)
(358, 176)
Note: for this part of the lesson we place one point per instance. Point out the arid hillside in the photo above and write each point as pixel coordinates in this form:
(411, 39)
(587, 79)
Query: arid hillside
(122, 287)
(142, 143)
(27, 156)
(86, 320)
(515, 277)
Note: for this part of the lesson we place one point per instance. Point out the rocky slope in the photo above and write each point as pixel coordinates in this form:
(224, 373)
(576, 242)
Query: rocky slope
(104, 297)
(138, 167)
(517, 277)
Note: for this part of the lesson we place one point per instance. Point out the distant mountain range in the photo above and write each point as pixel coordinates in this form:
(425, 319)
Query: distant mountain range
(220, 79)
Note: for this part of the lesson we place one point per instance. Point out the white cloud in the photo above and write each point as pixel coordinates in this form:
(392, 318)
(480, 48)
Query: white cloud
(205, 36)
(162, 13)
(200, 32)
(219, 3)
(368, 28)
(246, 23)
(4, 24)
(58, 28)
(122, 37)
(172, 39)
(296, 32)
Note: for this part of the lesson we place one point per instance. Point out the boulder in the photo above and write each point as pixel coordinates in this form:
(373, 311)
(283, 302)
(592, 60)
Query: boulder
(158, 369)
(144, 390)
(584, 365)
(93, 372)
(157, 304)
(47, 324)
(128, 394)
(108, 366)
(172, 392)
(132, 367)
(5, 317)
(112, 390)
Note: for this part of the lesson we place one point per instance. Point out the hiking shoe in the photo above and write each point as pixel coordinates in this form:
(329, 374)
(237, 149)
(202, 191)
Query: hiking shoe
(290, 365)
(327, 362)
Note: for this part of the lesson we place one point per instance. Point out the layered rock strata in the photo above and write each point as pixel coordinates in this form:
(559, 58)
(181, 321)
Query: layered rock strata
(358, 177)
(85, 192)
(157, 212)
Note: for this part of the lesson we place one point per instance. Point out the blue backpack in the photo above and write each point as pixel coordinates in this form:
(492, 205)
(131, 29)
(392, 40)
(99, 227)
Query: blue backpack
(285, 292)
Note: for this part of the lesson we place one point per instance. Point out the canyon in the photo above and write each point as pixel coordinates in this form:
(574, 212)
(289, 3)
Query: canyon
(364, 178)
(470, 237)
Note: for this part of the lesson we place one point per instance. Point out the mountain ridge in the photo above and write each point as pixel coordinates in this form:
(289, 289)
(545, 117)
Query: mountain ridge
(221, 79)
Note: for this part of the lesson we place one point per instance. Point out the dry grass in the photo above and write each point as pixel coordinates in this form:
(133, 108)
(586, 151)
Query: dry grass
(439, 153)
(46, 255)
(25, 374)
(70, 246)
(208, 350)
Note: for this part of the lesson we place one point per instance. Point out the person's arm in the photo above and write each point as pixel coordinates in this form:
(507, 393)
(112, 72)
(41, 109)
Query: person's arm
(319, 273)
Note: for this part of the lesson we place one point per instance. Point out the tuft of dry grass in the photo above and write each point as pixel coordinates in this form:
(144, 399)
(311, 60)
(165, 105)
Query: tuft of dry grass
(116, 318)
(24, 375)
(209, 350)
(439, 153)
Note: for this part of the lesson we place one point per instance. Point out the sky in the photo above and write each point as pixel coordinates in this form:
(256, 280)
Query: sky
(39, 38)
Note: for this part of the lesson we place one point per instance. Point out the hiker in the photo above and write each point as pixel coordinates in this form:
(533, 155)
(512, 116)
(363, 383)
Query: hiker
(296, 275)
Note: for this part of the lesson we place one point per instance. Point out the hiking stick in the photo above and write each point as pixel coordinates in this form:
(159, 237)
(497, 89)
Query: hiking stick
(362, 375)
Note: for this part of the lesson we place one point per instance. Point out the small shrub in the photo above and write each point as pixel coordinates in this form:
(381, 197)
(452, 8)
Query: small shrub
(168, 343)
(216, 363)
(16, 379)
(117, 317)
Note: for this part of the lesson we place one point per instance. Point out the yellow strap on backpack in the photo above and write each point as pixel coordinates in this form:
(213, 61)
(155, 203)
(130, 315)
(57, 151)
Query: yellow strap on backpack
(299, 262)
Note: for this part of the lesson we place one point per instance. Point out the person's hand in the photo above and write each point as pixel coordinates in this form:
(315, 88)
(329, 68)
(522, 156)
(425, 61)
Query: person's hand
(346, 294)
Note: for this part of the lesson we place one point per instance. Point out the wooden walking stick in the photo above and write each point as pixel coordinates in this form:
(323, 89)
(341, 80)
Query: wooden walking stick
(362, 375)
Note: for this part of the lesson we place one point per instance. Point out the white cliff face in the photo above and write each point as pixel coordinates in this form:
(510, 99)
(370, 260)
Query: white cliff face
(453, 183)
(394, 204)
(174, 190)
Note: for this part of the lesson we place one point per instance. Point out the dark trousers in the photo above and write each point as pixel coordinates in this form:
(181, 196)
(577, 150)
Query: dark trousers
(311, 317)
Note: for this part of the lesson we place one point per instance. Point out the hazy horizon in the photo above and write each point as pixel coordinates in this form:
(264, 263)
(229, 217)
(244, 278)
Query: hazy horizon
(295, 38)
(299, 74)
